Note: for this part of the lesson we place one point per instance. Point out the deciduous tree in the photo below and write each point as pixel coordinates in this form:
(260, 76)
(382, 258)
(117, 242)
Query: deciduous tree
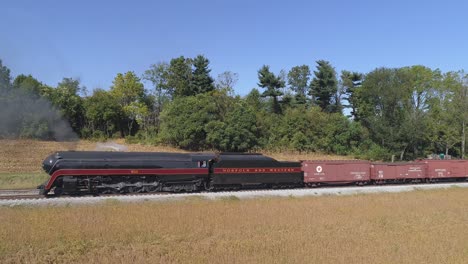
(226, 81)
(236, 133)
(184, 121)
(158, 76)
(129, 91)
(103, 113)
(66, 97)
(28, 84)
(298, 80)
(5, 78)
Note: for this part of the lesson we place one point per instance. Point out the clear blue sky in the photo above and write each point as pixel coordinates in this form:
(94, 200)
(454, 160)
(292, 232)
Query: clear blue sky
(95, 40)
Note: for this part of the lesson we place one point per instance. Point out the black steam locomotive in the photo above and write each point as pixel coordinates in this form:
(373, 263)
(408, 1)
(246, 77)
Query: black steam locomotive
(86, 172)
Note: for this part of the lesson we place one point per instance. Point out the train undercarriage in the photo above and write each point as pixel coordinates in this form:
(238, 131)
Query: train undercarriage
(96, 185)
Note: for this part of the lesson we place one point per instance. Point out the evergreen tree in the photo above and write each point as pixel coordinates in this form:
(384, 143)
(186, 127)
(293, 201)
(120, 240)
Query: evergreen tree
(179, 76)
(324, 87)
(350, 81)
(254, 100)
(201, 80)
(273, 84)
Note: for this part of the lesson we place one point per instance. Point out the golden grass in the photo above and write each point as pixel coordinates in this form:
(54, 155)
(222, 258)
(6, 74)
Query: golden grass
(417, 227)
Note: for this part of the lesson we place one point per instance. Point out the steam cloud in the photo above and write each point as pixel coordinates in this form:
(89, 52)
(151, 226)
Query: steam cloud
(105, 146)
(25, 115)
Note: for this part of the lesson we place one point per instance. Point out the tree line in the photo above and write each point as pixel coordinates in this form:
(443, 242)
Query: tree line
(407, 112)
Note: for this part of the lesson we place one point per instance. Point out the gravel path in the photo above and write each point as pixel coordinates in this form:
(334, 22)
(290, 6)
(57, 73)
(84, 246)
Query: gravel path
(220, 195)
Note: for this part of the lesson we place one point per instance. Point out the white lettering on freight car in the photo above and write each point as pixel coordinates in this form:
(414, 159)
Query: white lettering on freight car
(415, 169)
(380, 174)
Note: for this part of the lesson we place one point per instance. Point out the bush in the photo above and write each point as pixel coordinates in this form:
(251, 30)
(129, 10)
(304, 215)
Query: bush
(98, 135)
(371, 151)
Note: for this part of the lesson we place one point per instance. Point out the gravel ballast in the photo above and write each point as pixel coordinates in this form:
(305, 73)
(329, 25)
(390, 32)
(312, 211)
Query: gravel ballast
(65, 201)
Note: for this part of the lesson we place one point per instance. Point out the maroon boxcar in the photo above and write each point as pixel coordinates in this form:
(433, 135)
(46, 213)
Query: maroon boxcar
(446, 169)
(319, 172)
(397, 172)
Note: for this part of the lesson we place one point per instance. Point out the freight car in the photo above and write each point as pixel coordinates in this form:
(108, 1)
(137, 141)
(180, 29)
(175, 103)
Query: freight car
(335, 172)
(82, 172)
(446, 170)
(332, 172)
(412, 172)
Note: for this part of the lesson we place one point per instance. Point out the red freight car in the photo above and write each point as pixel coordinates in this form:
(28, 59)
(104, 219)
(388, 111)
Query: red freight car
(397, 172)
(335, 172)
(438, 170)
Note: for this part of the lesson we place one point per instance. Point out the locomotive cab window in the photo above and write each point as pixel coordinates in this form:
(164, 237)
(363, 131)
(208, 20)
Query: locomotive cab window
(202, 164)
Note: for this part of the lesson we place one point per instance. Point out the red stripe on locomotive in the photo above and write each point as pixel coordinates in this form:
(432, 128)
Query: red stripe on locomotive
(120, 172)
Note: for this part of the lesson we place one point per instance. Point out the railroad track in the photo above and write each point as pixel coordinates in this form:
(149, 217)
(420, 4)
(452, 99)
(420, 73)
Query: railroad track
(18, 192)
(21, 196)
(34, 194)
(25, 199)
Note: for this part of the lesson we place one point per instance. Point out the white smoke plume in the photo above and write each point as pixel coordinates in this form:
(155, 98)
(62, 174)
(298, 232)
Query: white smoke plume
(24, 115)
(110, 146)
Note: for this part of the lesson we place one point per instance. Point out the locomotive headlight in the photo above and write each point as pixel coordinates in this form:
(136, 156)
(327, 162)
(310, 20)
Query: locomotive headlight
(48, 163)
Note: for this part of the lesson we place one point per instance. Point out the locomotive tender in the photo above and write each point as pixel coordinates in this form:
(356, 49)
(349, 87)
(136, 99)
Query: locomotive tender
(93, 172)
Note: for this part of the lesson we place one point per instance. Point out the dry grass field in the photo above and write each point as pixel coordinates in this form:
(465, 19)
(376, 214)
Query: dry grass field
(417, 227)
(21, 160)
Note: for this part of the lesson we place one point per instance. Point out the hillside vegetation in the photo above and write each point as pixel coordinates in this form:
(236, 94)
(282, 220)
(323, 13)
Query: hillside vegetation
(406, 112)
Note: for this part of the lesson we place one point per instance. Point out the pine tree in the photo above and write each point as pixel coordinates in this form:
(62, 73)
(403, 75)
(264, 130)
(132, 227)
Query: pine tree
(350, 81)
(201, 79)
(324, 86)
(273, 84)
(179, 76)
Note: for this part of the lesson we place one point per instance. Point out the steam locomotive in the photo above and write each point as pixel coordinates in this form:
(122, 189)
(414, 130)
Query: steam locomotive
(84, 172)
(93, 172)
